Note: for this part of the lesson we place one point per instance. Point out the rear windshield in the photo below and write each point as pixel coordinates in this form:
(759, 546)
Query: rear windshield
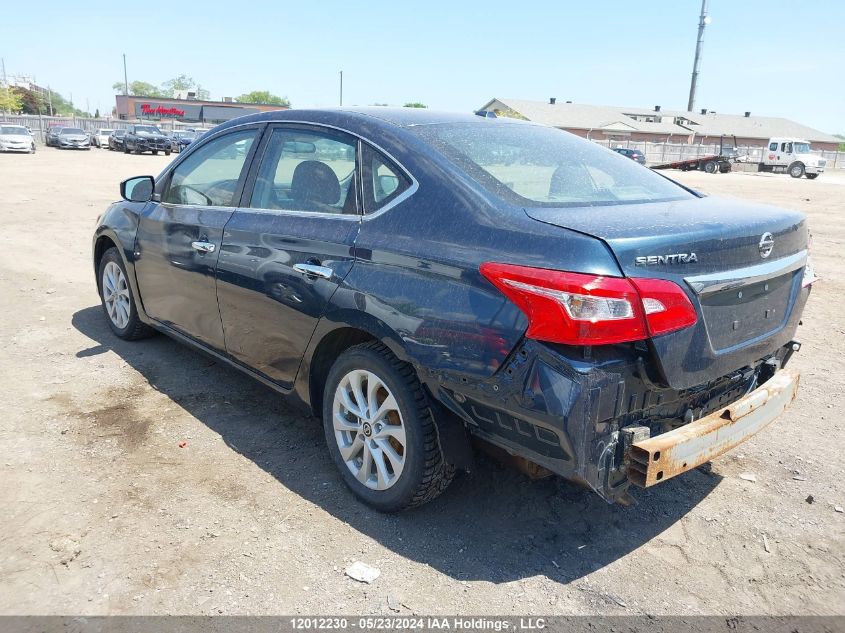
(542, 166)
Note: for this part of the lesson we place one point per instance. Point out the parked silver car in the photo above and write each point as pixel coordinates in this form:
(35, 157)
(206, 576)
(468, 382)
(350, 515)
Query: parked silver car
(73, 138)
(16, 138)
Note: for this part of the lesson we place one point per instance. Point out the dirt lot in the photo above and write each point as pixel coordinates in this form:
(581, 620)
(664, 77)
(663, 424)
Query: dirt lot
(103, 513)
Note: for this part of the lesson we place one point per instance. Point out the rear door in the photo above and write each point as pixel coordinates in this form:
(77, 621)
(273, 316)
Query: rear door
(286, 250)
(180, 233)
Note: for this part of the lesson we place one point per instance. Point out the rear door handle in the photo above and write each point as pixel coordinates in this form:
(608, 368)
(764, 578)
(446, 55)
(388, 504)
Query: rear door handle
(203, 247)
(314, 270)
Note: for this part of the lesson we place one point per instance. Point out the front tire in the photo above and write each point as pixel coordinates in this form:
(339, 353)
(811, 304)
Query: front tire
(796, 170)
(117, 300)
(380, 431)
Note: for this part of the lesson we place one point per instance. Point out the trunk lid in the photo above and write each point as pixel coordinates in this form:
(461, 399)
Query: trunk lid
(741, 265)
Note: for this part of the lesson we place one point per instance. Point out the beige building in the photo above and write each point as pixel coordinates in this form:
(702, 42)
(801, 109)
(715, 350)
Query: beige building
(658, 125)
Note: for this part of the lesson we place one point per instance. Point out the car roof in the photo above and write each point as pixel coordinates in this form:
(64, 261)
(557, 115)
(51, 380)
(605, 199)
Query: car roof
(398, 117)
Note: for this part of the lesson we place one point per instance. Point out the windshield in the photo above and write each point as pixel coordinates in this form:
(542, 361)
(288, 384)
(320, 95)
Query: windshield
(147, 129)
(13, 129)
(542, 166)
(119, 132)
(802, 148)
(105, 132)
(73, 130)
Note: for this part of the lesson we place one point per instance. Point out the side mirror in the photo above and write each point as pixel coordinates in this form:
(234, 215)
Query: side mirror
(138, 189)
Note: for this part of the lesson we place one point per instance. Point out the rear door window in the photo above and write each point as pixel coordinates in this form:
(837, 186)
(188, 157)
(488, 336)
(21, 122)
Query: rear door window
(384, 181)
(307, 170)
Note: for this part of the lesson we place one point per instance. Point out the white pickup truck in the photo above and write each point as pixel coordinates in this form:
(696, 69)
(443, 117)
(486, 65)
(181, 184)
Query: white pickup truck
(791, 156)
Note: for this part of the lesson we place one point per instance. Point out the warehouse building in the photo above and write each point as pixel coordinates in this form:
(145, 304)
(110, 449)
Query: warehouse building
(656, 125)
(131, 108)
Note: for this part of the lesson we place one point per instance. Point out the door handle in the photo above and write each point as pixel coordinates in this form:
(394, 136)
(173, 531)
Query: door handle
(203, 247)
(314, 270)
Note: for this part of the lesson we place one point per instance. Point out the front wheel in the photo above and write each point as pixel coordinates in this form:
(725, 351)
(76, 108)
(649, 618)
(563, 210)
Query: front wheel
(796, 170)
(116, 297)
(809, 176)
(380, 431)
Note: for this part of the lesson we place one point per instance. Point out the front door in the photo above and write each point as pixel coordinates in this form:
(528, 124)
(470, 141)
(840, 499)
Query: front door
(285, 252)
(785, 155)
(179, 236)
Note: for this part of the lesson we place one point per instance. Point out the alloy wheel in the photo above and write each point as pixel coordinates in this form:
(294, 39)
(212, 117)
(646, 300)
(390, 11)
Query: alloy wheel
(369, 429)
(116, 295)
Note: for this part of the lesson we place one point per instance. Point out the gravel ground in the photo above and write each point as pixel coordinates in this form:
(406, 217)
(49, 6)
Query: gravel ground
(104, 513)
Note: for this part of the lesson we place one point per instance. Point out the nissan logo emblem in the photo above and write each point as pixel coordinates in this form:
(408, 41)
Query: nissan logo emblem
(767, 243)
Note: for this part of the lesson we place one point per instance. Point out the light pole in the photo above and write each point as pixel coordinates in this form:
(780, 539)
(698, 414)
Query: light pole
(125, 77)
(703, 20)
(341, 87)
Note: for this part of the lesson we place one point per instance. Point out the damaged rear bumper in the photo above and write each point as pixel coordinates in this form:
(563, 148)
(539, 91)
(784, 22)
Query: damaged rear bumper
(656, 459)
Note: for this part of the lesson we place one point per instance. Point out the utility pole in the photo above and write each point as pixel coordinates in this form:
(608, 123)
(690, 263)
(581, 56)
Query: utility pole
(341, 87)
(703, 20)
(125, 77)
(5, 84)
(50, 99)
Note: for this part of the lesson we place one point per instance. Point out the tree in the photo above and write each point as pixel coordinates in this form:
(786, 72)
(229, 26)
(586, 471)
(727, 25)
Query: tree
(415, 104)
(10, 100)
(183, 83)
(31, 102)
(63, 107)
(841, 147)
(263, 96)
(97, 113)
(139, 89)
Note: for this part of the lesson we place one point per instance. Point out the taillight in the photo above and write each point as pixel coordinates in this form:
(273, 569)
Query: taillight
(579, 309)
(666, 307)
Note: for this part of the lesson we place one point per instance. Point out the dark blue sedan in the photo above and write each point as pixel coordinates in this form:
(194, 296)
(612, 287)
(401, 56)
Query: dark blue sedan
(418, 279)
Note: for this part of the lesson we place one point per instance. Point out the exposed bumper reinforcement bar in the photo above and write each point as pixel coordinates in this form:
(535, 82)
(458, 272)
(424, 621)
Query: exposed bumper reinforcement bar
(651, 461)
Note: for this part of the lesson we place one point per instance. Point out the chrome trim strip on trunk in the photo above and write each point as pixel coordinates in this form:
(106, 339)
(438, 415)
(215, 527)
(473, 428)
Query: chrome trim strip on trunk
(740, 277)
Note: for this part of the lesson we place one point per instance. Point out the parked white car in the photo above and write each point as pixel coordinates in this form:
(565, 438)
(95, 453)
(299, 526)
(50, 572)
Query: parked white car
(16, 138)
(100, 138)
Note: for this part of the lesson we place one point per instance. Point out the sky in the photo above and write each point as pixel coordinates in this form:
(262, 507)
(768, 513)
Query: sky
(771, 57)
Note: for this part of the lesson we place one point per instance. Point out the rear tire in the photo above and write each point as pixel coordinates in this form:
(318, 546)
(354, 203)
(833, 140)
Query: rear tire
(390, 458)
(117, 300)
(796, 170)
(711, 166)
